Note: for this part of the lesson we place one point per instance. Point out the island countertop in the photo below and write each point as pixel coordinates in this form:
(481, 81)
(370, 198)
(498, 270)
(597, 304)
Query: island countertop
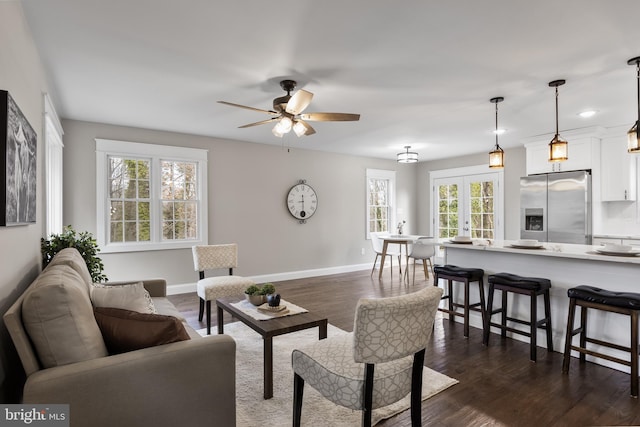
(567, 266)
(559, 250)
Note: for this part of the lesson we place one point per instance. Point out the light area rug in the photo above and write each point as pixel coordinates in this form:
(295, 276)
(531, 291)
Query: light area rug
(252, 410)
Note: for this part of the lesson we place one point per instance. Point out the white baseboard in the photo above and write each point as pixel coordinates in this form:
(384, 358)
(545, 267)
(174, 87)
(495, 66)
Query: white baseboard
(184, 288)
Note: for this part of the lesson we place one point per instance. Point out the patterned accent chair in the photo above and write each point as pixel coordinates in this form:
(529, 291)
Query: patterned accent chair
(212, 257)
(376, 365)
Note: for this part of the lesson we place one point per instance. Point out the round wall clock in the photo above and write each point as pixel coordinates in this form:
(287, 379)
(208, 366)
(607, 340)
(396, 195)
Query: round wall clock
(302, 201)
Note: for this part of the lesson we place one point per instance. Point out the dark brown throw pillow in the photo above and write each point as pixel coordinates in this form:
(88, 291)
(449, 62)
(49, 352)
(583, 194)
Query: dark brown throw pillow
(126, 330)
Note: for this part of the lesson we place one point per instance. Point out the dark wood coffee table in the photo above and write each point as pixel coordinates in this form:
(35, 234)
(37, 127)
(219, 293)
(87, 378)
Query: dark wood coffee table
(269, 329)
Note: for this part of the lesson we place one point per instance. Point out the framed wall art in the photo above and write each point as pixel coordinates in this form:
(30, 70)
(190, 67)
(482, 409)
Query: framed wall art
(18, 147)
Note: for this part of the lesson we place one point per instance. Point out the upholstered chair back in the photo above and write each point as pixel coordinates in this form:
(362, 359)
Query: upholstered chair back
(212, 257)
(386, 329)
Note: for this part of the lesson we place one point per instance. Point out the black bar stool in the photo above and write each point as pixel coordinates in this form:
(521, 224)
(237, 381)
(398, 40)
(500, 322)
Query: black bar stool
(627, 303)
(531, 286)
(452, 273)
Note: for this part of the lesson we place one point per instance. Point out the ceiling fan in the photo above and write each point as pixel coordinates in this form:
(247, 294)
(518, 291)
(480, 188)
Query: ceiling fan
(287, 112)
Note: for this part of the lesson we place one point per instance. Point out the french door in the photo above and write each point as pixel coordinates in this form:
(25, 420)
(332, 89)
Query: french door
(469, 205)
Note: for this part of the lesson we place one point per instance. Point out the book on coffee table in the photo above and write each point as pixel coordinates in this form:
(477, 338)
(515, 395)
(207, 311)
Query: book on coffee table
(266, 308)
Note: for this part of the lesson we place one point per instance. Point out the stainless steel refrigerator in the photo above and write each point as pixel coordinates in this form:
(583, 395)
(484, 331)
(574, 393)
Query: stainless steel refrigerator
(556, 207)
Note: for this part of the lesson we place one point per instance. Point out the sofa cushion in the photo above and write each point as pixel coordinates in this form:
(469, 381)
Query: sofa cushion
(132, 297)
(126, 330)
(58, 317)
(72, 258)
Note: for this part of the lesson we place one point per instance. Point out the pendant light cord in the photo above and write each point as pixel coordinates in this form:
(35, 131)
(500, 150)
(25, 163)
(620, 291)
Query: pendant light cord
(497, 125)
(556, 111)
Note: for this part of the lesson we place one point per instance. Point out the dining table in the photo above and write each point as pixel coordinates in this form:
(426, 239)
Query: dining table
(398, 239)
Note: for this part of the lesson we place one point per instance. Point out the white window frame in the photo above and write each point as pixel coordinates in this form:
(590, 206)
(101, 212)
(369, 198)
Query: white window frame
(389, 175)
(155, 153)
(53, 168)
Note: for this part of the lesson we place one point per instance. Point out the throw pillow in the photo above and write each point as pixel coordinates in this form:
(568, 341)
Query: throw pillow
(132, 297)
(126, 330)
(58, 317)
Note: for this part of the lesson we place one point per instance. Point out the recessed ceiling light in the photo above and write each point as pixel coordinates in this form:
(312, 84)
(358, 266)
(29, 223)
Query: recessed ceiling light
(588, 113)
(499, 131)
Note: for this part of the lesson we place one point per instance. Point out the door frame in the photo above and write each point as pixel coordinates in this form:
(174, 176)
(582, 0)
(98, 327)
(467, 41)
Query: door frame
(466, 172)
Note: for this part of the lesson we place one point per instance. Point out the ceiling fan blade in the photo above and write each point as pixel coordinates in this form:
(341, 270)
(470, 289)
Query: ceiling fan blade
(249, 108)
(262, 122)
(298, 102)
(306, 128)
(330, 117)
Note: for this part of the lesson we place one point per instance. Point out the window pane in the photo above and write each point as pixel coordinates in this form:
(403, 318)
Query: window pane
(116, 211)
(379, 208)
(179, 183)
(116, 232)
(128, 198)
(143, 189)
(130, 231)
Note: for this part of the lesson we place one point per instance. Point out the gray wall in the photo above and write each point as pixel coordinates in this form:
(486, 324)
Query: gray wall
(21, 73)
(247, 187)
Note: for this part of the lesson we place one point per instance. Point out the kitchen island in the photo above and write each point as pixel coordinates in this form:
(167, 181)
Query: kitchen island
(566, 265)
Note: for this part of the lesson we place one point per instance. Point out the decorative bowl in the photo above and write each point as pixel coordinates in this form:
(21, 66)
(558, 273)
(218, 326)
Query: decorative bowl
(612, 247)
(255, 299)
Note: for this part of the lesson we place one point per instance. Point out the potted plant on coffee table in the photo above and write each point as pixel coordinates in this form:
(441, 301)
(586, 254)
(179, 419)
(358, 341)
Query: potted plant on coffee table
(257, 295)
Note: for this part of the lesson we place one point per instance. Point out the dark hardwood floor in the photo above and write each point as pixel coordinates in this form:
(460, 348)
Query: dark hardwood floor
(498, 386)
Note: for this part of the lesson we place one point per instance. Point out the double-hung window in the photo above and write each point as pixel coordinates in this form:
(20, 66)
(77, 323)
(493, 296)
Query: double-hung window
(150, 197)
(381, 188)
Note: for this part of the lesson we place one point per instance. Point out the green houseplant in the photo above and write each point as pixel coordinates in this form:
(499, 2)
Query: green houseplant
(257, 295)
(83, 242)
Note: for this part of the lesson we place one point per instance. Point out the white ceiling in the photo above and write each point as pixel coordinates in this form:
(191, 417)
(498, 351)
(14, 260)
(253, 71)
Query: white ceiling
(420, 72)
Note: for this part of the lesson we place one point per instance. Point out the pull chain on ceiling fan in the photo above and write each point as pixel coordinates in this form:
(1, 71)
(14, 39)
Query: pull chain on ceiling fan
(287, 112)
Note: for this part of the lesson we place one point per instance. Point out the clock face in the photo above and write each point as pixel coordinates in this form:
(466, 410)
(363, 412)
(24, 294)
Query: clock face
(302, 201)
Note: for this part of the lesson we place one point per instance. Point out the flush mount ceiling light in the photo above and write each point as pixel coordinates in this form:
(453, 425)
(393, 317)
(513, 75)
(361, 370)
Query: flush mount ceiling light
(633, 145)
(496, 156)
(558, 147)
(407, 156)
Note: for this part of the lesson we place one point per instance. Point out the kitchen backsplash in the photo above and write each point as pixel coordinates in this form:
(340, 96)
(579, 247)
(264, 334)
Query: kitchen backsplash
(617, 218)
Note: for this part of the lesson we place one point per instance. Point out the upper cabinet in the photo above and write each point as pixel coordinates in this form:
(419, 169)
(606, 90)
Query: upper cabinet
(580, 156)
(618, 170)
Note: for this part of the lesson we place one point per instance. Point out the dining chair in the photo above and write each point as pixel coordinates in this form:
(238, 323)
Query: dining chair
(377, 244)
(422, 249)
(377, 364)
(213, 257)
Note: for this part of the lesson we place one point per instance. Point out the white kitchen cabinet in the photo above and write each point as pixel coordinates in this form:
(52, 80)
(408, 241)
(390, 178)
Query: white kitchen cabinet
(618, 170)
(580, 156)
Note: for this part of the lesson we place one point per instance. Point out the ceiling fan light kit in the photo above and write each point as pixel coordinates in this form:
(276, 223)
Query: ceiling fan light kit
(287, 112)
(496, 156)
(633, 137)
(558, 147)
(407, 156)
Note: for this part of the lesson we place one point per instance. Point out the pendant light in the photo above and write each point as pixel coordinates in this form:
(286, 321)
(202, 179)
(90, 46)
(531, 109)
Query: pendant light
(633, 143)
(558, 147)
(408, 156)
(496, 156)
